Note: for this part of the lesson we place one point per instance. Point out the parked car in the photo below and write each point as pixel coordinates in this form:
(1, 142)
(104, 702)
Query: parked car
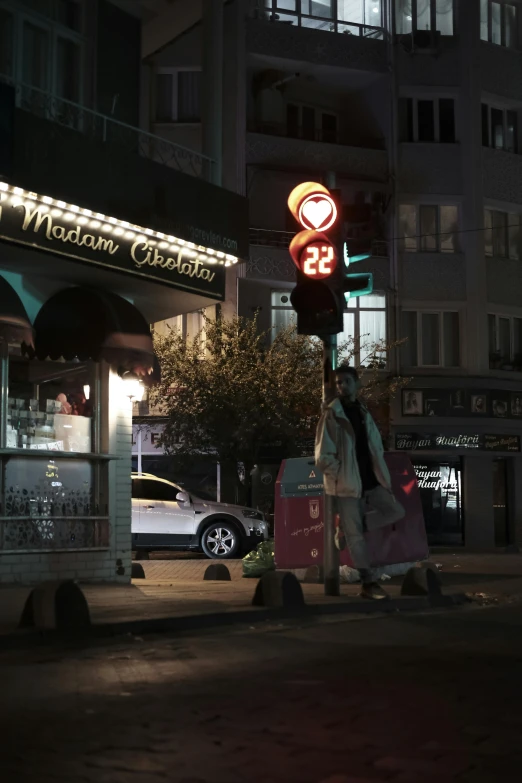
(165, 516)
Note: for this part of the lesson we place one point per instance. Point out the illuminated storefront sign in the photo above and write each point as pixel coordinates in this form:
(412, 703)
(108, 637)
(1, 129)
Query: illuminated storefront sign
(66, 229)
(413, 441)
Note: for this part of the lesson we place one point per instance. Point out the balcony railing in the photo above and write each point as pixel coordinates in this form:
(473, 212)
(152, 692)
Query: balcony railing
(269, 238)
(302, 132)
(268, 11)
(106, 129)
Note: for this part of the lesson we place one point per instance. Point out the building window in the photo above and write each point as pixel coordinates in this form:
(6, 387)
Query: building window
(502, 234)
(432, 339)
(364, 323)
(499, 23)
(283, 314)
(428, 120)
(6, 43)
(499, 128)
(412, 16)
(505, 341)
(307, 122)
(428, 228)
(49, 51)
(178, 95)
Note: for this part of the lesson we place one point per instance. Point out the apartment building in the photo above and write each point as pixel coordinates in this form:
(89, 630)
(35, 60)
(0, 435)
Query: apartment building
(104, 229)
(413, 108)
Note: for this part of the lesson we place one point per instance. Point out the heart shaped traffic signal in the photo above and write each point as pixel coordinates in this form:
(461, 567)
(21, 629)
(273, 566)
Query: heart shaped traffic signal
(323, 260)
(313, 207)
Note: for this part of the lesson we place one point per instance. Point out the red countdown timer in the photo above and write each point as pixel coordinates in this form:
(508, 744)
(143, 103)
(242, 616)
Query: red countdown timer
(318, 260)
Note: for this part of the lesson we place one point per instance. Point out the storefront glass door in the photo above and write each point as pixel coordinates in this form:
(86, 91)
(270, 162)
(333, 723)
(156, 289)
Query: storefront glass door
(440, 485)
(500, 506)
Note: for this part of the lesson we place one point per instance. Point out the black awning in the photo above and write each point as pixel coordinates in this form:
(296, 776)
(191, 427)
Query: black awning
(15, 326)
(84, 323)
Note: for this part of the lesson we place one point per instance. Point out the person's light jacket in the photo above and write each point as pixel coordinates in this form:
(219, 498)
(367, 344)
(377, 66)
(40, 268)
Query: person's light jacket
(335, 453)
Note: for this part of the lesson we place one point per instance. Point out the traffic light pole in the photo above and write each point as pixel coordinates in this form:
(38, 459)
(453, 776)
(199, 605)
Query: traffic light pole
(330, 551)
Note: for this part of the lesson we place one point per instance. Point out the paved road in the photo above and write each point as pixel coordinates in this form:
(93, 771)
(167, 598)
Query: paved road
(413, 699)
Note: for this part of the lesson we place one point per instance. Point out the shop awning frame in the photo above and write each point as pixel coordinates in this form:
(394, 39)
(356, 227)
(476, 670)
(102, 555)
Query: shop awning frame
(79, 323)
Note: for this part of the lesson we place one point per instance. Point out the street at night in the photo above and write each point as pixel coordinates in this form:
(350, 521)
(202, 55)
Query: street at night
(424, 697)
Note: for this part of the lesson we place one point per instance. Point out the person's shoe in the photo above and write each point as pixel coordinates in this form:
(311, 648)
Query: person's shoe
(373, 591)
(340, 540)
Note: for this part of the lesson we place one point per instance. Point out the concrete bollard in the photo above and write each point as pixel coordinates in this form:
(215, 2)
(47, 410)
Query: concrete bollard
(137, 571)
(217, 572)
(59, 605)
(422, 581)
(278, 588)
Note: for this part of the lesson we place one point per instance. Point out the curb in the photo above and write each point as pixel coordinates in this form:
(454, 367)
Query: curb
(36, 637)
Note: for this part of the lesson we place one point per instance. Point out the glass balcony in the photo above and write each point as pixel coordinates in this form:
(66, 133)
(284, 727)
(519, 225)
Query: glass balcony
(361, 18)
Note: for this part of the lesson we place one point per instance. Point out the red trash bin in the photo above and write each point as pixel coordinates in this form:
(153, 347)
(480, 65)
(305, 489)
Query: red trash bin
(299, 521)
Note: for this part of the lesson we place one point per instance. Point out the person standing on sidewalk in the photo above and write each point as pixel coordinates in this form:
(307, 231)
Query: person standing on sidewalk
(350, 454)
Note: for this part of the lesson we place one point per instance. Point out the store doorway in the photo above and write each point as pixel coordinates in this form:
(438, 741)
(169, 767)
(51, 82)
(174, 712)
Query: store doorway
(500, 503)
(440, 486)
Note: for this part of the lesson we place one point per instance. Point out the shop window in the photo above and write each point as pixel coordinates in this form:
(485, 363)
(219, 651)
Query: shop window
(501, 234)
(427, 120)
(499, 22)
(178, 95)
(440, 487)
(50, 405)
(505, 342)
(54, 504)
(432, 339)
(364, 323)
(54, 480)
(428, 228)
(413, 16)
(500, 128)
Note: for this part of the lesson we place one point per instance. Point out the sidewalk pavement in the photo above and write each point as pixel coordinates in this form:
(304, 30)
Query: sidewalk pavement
(175, 589)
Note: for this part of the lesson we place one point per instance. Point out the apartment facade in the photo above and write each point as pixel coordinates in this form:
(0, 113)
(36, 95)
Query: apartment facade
(412, 108)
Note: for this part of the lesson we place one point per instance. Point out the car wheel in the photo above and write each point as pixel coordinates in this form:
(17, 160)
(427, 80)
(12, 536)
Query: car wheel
(220, 541)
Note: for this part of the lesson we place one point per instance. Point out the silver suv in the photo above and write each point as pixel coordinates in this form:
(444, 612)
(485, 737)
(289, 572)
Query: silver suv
(165, 516)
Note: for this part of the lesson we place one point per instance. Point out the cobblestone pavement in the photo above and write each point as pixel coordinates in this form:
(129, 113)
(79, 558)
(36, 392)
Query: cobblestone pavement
(413, 699)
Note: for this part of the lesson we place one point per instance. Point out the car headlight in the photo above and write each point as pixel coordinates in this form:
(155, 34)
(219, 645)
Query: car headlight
(250, 513)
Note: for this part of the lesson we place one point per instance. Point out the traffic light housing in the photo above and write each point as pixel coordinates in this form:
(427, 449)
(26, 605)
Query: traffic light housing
(322, 259)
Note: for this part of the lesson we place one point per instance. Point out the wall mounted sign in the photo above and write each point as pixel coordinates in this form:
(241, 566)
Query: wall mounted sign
(65, 229)
(414, 441)
(473, 403)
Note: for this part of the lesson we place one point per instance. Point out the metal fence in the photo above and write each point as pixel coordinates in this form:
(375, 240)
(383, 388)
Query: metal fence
(107, 129)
